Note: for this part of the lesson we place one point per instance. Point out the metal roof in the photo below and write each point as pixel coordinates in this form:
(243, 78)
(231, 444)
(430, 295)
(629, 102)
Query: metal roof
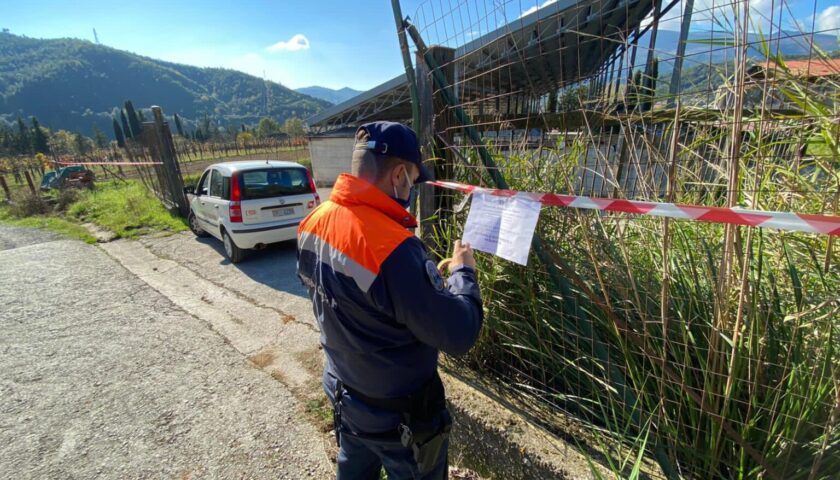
(559, 44)
(388, 101)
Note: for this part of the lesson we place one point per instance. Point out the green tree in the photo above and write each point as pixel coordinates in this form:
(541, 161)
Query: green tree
(99, 138)
(133, 119)
(205, 129)
(82, 144)
(633, 89)
(24, 143)
(231, 131)
(245, 139)
(7, 141)
(178, 126)
(118, 134)
(649, 88)
(267, 127)
(40, 142)
(571, 99)
(294, 127)
(125, 125)
(62, 143)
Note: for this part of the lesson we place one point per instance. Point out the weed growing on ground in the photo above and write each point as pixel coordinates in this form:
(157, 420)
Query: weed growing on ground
(125, 208)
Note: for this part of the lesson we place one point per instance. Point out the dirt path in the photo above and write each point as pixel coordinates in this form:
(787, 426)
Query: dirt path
(103, 376)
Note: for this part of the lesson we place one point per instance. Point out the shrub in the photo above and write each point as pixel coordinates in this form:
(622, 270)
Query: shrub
(25, 204)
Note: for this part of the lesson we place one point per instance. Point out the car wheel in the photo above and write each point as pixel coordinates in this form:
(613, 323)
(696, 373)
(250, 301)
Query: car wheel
(195, 227)
(233, 252)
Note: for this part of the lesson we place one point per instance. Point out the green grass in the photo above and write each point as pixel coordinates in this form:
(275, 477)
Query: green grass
(125, 208)
(49, 222)
(320, 411)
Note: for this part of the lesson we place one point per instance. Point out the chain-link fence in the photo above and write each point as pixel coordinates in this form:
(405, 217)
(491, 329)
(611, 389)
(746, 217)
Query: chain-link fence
(711, 348)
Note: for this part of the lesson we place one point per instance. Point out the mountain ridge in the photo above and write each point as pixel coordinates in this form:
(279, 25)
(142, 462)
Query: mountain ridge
(75, 84)
(334, 96)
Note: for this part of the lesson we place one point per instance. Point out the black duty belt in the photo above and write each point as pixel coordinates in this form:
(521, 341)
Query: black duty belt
(427, 401)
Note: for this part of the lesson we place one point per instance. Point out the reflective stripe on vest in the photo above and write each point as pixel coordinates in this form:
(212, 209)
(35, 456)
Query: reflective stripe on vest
(336, 259)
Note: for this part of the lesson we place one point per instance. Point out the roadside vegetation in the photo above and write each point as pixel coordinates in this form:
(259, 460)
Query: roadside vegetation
(48, 222)
(124, 208)
(688, 349)
(123, 200)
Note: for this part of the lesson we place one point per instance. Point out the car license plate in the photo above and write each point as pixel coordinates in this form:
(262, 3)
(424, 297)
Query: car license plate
(282, 212)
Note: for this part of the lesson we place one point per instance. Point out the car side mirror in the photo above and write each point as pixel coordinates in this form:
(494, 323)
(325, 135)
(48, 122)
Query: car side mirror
(190, 189)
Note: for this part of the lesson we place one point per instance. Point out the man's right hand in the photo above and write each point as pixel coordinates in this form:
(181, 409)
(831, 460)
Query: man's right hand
(462, 254)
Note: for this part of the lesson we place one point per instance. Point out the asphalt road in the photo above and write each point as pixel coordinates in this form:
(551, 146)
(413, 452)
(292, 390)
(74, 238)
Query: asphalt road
(103, 375)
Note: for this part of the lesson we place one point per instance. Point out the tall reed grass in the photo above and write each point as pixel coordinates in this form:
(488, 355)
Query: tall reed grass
(712, 349)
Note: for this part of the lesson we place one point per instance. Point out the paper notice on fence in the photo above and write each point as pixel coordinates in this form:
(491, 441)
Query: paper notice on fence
(503, 226)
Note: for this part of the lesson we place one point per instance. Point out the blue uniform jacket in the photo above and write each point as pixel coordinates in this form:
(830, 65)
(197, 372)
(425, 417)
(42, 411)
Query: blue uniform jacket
(383, 309)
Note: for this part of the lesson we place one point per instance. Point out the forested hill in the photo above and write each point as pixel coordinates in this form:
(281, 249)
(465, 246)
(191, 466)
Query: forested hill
(75, 84)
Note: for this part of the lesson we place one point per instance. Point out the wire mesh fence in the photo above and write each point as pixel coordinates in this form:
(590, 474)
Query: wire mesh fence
(711, 348)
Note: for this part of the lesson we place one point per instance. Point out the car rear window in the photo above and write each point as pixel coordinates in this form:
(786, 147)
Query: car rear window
(273, 182)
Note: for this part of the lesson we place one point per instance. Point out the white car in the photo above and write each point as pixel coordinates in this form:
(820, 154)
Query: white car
(248, 205)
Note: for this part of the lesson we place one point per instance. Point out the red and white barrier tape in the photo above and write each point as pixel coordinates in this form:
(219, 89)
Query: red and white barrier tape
(799, 222)
(109, 163)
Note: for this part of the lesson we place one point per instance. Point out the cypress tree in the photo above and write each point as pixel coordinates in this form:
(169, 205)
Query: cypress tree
(7, 141)
(649, 87)
(39, 138)
(633, 90)
(178, 127)
(24, 144)
(133, 119)
(125, 126)
(118, 134)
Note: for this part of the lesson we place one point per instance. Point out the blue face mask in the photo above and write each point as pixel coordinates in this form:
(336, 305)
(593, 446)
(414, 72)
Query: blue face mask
(404, 203)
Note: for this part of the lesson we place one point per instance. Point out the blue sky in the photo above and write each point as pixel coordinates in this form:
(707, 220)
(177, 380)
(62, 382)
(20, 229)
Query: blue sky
(330, 43)
(349, 45)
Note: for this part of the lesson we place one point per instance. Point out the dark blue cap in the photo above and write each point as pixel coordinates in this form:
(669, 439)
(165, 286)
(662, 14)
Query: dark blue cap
(396, 140)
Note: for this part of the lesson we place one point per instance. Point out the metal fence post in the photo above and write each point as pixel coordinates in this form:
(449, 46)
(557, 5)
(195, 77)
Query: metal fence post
(429, 125)
(172, 171)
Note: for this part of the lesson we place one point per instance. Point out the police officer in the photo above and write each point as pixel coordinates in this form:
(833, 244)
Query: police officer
(385, 312)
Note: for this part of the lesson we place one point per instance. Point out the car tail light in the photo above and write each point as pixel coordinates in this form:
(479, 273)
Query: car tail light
(313, 189)
(235, 208)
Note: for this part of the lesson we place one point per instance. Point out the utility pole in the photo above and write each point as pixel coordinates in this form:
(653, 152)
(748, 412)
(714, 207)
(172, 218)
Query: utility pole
(95, 37)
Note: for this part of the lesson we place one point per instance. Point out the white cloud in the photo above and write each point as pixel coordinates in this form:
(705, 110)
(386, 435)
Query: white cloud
(298, 42)
(535, 8)
(829, 19)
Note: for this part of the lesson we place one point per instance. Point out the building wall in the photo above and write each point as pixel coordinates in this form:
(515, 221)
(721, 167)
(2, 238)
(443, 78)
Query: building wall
(330, 157)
